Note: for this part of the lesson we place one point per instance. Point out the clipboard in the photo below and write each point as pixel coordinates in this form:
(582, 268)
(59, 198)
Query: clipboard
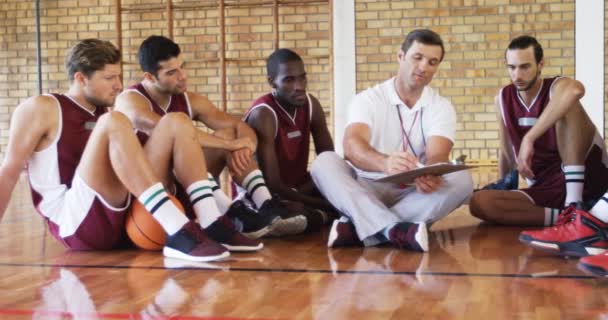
(439, 169)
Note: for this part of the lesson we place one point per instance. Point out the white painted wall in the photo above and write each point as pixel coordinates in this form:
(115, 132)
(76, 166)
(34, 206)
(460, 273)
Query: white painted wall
(345, 69)
(589, 39)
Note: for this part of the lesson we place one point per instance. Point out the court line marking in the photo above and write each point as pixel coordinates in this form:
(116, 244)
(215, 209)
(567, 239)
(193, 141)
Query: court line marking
(221, 267)
(93, 315)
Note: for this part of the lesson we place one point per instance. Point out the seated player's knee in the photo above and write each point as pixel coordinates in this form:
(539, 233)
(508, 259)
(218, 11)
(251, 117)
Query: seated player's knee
(176, 122)
(478, 206)
(114, 121)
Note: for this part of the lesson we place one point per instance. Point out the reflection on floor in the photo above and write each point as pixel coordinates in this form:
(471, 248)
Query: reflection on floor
(473, 271)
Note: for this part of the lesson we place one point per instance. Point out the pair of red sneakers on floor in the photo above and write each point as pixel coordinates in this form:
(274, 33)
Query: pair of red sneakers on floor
(576, 233)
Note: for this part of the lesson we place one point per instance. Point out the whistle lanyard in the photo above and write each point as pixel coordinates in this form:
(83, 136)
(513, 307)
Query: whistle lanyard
(406, 135)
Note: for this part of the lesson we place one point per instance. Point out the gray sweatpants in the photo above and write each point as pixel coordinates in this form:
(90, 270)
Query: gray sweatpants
(372, 206)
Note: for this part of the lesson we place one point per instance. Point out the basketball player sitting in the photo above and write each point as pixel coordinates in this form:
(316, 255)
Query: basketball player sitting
(284, 120)
(84, 162)
(163, 92)
(547, 135)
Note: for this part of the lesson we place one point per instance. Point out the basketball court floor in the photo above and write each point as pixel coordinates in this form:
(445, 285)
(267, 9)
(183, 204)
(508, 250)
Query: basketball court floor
(473, 271)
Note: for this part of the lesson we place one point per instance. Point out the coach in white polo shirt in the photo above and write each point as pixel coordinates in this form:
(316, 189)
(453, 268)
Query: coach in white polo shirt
(395, 127)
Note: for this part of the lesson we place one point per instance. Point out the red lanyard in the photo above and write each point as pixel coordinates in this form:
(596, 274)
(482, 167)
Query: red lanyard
(406, 135)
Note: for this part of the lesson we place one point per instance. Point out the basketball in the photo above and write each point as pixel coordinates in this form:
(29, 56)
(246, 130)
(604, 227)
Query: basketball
(145, 232)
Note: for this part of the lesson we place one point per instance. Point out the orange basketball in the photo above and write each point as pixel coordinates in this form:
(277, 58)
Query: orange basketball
(143, 229)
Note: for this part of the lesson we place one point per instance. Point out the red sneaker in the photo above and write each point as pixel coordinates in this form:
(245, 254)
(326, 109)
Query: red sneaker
(595, 265)
(577, 233)
(224, 232)
(191, 243)
(343, 234)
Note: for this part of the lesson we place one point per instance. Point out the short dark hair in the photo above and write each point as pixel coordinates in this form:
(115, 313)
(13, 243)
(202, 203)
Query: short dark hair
(525, 42)
(424, 36)
(277, 57)
(154, 50)
(90, 55)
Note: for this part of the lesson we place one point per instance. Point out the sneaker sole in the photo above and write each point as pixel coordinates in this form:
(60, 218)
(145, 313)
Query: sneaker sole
(172, 263)
(172, 253)
(258, 233)
(592, 270)
(564, 249)
(422, 237)
(287, 227)
(243, 248)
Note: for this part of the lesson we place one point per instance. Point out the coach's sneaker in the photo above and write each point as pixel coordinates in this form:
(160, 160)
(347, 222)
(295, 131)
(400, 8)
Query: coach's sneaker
(224, 232)
(508, 182)
(343, 234)
(289, 223)
(191, 243)
(411, 236)
(577, 233)
(255, 225)
(595, 265)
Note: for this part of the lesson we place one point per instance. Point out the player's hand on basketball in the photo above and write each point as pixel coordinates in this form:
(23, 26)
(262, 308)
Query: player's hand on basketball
(397, 162)
(428, 184)
(524, 158)
(240, 160)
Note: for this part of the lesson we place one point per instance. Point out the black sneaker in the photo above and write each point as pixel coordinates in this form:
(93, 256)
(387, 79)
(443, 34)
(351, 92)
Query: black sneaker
(192, 244)
(289, 223)
(254, 224)
(224, 232)
(508, 182)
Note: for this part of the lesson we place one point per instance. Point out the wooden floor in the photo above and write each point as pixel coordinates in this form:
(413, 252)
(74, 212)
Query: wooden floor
(473, 271)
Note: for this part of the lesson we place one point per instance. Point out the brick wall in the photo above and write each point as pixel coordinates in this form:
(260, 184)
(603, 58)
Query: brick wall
(475, 31)
(249, 41)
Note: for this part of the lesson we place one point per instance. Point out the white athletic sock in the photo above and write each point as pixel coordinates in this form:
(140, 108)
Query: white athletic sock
(575, 181)
(600, 209)
(221, 199)
(156, 200)
(256, 187)
(551, 215)
(203, 202)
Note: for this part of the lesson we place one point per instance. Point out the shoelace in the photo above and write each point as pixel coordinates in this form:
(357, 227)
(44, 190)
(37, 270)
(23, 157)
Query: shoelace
(566, 216)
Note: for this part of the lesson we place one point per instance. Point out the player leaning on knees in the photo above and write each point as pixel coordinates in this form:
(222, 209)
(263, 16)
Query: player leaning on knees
(164, 92)
(547, 135)
(391, 128)
(84, 162)
(285, 120)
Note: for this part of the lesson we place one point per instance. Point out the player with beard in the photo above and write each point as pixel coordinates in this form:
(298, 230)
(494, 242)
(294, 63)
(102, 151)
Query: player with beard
(284, 121)
(164, 91)
(546, 135)
(84, 162)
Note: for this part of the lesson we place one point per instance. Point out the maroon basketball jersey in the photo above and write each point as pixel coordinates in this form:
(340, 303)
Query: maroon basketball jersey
(178, 103)
(519, 118)
(76, 126)
(51, 172)
(292, 139)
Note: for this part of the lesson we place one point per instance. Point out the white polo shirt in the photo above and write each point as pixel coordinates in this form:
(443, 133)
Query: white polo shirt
(379, 107)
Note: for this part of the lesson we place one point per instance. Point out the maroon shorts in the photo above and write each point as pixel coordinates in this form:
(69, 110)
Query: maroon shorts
(102, 229)
(549, 191)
